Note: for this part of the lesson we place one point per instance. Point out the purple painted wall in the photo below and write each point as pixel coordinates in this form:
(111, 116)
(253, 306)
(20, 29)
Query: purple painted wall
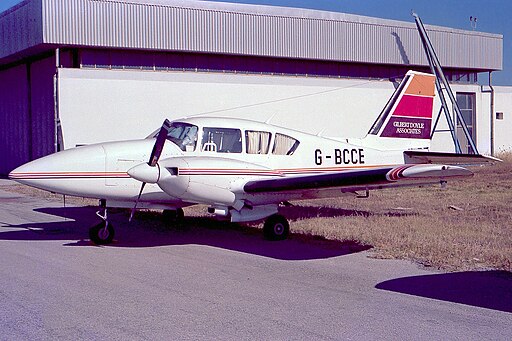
(42, 107)
(14, 118)
(26, 113)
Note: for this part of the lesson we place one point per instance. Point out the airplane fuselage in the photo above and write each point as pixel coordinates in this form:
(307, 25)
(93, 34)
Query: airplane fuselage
(101, 170)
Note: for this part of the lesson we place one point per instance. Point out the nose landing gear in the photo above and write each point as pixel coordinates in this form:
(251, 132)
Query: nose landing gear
(102, 233)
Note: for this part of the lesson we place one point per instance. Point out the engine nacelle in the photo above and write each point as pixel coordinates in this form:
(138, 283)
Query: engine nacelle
(207, 180)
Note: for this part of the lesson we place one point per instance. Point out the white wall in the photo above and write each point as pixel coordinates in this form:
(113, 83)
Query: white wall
(105, 105)
(483, 121)
(503, 128)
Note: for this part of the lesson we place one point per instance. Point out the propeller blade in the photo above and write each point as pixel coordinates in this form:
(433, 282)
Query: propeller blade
(137, 202)
(159, 144)
(153, 159)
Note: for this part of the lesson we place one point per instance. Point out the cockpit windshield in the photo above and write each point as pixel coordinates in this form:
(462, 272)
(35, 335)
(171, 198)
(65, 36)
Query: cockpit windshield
(184, 135)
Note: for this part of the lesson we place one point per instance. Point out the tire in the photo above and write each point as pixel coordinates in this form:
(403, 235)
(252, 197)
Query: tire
(173, 217)
(101, 236)
(276, 227)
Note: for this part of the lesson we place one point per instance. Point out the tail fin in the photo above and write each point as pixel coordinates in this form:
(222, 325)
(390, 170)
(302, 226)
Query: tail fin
(408, 113)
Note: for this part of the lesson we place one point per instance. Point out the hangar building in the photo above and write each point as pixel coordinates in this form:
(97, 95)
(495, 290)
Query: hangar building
(76, 72)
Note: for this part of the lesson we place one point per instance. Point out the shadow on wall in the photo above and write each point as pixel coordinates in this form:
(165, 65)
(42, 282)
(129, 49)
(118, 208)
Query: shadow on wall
(401, 48)
(484, 289)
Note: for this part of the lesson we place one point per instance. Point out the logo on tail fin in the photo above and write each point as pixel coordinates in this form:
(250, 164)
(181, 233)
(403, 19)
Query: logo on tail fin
(409, 112)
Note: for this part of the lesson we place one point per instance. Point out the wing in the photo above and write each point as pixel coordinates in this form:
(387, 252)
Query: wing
(360, 179)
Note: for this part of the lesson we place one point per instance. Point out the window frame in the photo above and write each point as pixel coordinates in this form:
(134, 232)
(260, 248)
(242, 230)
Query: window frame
(291, 149)
(261, 151)
(205, 140)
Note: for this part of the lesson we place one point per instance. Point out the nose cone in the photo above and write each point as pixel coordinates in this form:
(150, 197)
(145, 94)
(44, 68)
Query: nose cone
(54, 172)
(35, 173)
(22, 173)
(145, 173)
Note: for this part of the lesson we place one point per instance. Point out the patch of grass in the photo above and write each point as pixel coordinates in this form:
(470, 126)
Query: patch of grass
(466, 226)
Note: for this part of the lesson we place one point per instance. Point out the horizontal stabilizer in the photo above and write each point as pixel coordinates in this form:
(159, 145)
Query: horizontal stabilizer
(416, 157)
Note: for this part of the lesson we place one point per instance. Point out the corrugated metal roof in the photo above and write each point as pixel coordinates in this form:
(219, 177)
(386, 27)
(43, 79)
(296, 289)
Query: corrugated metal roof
(224, 28)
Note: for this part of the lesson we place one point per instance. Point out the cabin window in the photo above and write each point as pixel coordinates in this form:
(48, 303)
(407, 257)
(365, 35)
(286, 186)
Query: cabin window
(184, 135)
(284, 145)
(257, 142)
(222, 140)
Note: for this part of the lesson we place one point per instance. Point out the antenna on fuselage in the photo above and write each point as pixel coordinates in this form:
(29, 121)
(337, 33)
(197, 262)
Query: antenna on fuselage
(270, 118)
(321, 132)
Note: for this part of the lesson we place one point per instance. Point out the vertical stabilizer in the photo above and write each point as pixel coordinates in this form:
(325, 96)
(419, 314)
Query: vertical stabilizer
(408, 113)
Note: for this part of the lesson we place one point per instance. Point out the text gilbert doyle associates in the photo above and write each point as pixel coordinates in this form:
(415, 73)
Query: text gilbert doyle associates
(415, 128)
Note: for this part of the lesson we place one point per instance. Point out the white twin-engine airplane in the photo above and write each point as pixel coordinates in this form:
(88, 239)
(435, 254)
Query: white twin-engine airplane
(244, 169)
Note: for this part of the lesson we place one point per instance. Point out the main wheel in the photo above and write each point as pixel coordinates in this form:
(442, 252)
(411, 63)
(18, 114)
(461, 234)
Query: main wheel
(101, 234)
(172, 217)
(276, 227)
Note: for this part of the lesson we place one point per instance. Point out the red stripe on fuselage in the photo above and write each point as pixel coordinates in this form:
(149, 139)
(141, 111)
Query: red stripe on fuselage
(66, 175)
(188, 171)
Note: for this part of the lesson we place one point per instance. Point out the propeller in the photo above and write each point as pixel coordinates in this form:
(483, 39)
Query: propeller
(153, 159)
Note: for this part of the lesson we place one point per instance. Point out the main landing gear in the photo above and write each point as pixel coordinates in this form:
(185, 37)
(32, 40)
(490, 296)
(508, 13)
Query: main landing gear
(102, 233)
(276, 227)
(173, 217)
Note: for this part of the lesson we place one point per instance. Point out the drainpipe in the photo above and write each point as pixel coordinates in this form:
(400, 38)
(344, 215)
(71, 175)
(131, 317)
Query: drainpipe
(491, 91)
(492, 113)
(56, 101)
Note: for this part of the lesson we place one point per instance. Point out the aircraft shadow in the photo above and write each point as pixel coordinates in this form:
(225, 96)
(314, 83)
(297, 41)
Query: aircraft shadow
(148, 231)
(485, 289)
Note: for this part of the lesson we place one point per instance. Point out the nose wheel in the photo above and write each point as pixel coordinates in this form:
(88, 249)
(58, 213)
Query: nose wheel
(102, 233)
